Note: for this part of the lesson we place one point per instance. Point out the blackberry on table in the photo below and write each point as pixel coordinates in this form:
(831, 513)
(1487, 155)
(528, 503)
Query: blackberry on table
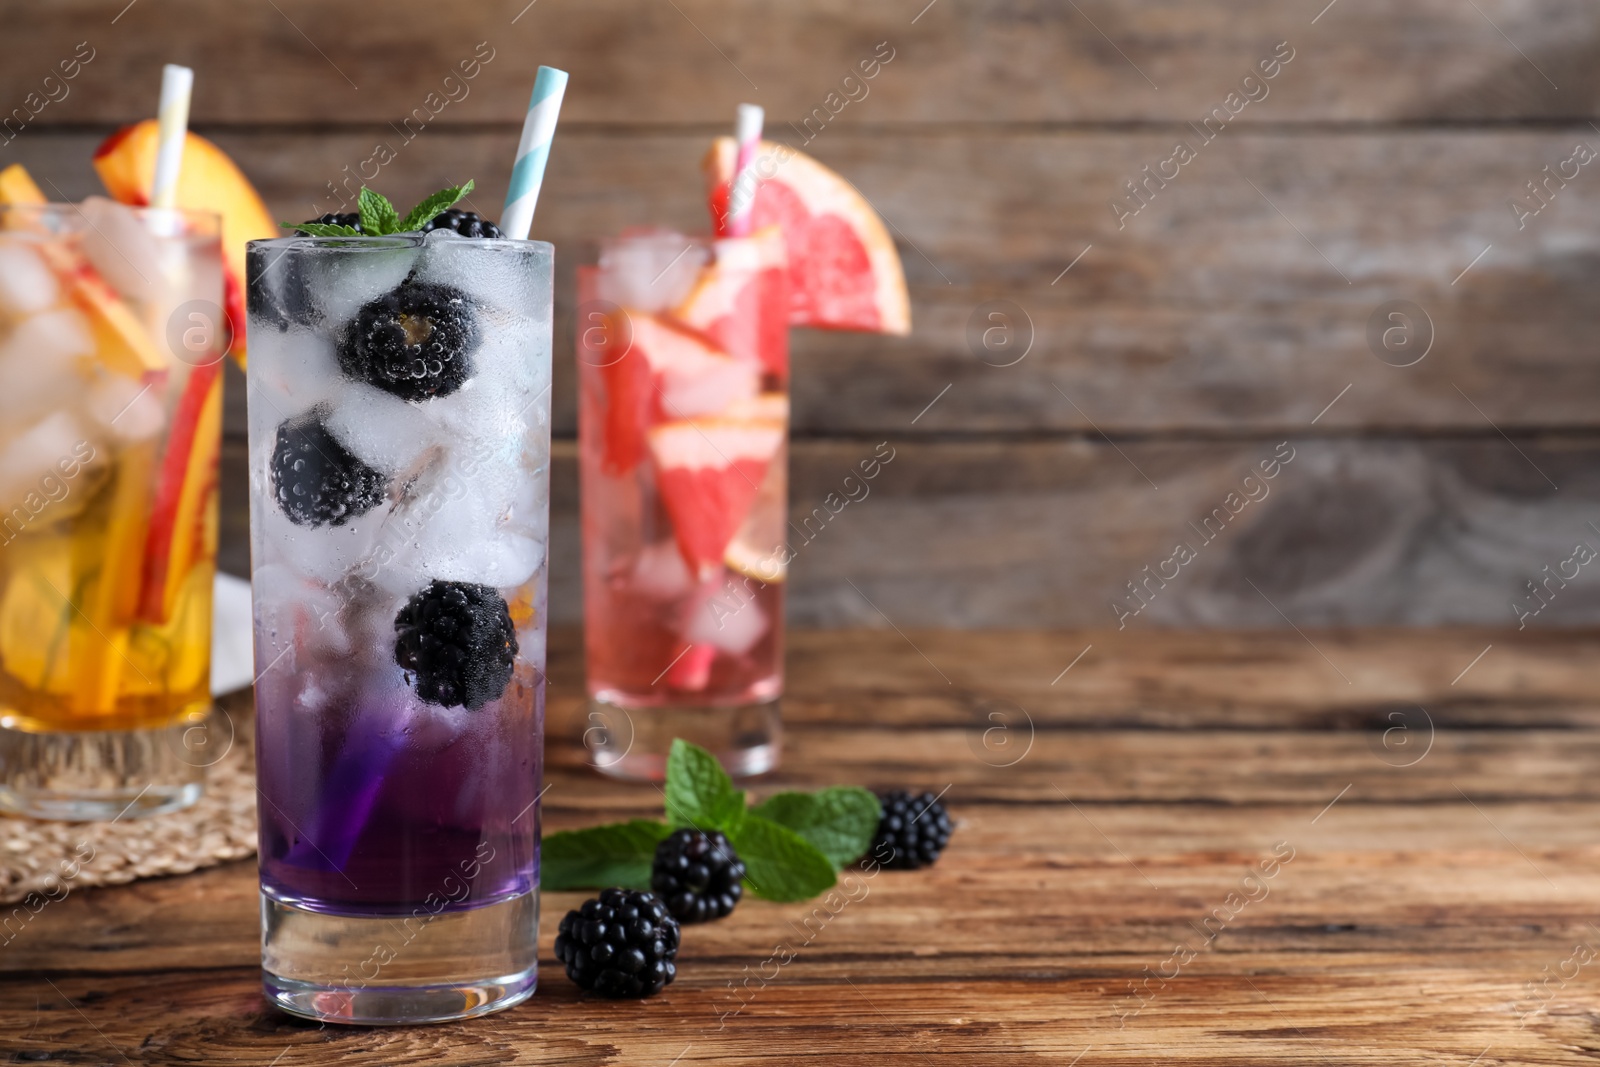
(623, 944)
(466, 223)
(457, 642)
(349, 218)
(415, 341)
(912, 830)
(698, 875)
(316, 480)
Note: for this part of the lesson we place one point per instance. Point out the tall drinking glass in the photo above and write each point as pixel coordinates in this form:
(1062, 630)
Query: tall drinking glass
(110, 427)
(683, 382)
(399, 395)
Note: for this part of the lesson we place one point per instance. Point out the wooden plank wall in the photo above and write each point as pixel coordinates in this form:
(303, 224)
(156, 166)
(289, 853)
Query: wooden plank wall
(1228, 321)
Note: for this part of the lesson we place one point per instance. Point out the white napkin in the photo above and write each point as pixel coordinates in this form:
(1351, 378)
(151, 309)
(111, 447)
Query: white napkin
(232, 647)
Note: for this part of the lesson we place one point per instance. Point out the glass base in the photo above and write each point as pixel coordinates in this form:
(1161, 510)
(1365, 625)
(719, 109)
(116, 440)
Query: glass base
(85, 775)
(632, 743)
(399, 969)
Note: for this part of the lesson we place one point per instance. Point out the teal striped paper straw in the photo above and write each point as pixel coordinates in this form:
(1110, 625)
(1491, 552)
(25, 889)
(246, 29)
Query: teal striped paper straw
(533, 152)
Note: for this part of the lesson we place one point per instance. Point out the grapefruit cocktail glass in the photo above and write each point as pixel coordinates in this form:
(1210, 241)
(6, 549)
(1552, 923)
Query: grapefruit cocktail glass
(110, 429)
(399, 397)
(683, 381)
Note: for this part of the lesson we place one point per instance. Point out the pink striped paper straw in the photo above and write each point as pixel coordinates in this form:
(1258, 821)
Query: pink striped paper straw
(742, 194)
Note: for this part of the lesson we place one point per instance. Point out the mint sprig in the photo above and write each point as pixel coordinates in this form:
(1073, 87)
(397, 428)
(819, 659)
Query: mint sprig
(793, 844)
(618, 854)
(839, 821)
(379, 217)
(443, 200)
(323, 229)
(699, 792)
(779, 863)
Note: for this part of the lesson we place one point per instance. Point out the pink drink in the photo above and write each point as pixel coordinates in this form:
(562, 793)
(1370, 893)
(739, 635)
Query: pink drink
(683, 415)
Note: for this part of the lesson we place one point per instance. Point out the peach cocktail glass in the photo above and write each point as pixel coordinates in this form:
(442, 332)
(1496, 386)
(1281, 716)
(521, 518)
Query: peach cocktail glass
(110, 430)
(683, 382)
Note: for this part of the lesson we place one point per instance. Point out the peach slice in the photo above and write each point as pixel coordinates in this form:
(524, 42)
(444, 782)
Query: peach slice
(121, 341)
(207, 181)
(98, 642)
(187, 484)
(34, 620)
(17, 187)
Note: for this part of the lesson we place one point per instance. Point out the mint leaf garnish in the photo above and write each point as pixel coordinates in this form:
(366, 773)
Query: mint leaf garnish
(792, 844)
(321, 229)
(440, 201)
(378, 216)
(840, 821)
(780, 864)
(619, 854)
(699, 792)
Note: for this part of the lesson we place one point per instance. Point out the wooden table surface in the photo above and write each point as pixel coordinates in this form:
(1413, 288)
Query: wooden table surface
(1426, 813)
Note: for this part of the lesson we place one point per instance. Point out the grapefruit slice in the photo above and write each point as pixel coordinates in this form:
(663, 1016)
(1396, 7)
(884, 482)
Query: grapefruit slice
(844, 272)
(741, 300)
(691, 671)
(665, 373)
(757, 549)
(207, 181)
(709, 473)
(768, 407)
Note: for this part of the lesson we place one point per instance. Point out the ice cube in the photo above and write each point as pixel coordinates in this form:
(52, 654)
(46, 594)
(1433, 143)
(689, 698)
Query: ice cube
(126, 252)
(35, 453)
(53, 340)
(338, 281)
(400, 543)
(660, 573)
(503, 280)
(38, 371)
(125, 409)
(26, 284)
(293, 612)
(462, 528)
(277, 294)
(324, 554)
(710, 391)
(650, 272)
(289, 373)
(379, 428)
(724, 614)
(695, 378)
(504, 560)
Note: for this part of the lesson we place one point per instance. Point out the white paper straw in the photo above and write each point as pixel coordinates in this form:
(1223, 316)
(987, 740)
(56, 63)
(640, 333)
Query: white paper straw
(544, 107)
(177, 83)
(742, 194)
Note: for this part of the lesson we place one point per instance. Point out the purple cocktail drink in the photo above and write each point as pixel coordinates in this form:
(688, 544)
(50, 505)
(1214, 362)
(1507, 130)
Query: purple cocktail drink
(399, 453)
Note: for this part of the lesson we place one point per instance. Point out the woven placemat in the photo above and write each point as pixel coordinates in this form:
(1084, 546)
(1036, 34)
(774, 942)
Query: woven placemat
(52, 859)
